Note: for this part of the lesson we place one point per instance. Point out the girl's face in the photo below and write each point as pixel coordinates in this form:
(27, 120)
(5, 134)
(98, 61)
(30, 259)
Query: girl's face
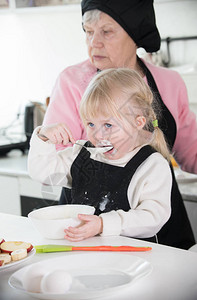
(121, 136)
(109, 45)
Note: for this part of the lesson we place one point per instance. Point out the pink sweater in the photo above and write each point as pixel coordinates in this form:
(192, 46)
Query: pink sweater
(72, 82)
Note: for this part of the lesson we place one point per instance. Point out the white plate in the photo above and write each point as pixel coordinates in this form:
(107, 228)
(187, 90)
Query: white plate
(15, 263)
(94, 274)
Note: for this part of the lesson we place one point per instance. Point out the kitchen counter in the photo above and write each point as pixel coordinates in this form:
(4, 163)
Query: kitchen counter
(187, 184)
(188, 190)
(173, 275)
(14, 164)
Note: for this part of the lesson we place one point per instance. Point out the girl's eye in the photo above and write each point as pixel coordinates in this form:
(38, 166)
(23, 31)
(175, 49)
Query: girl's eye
(91, 125)
(107, 125)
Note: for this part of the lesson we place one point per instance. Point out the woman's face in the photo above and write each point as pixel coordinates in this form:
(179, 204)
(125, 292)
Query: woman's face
(109, 45)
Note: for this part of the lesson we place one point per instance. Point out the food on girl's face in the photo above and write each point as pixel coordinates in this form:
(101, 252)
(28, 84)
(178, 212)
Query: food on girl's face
(9, 247)
(18, 254)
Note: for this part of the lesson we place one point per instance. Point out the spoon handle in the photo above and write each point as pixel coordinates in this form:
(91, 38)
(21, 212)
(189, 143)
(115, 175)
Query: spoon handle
(44, 137)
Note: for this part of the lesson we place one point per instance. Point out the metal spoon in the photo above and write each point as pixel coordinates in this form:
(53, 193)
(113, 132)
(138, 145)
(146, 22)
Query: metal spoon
(99, 149)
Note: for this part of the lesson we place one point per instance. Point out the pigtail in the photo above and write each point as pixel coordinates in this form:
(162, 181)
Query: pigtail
(158, 141)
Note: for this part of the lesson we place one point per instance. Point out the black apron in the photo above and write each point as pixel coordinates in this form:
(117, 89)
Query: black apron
(177, 232)
(102, 185)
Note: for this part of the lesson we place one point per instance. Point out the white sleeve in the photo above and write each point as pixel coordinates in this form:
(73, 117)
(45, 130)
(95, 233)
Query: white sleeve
(47, 165)
(149, 196)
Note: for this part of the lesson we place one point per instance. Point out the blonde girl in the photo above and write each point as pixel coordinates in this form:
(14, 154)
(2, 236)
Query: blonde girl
(122, 94)
(122, 170)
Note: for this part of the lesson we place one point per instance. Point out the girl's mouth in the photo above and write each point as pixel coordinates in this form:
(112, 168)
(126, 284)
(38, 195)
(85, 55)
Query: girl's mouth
(109, 147)
(111, 151)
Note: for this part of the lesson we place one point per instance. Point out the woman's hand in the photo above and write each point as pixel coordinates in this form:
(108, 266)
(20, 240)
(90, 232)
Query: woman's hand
(56, 134)
(92, 225)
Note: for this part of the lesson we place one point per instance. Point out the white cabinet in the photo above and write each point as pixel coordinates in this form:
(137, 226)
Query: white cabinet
(34, 195)
(9, 195)
(31, 188)
(20, 194)
(15, 190)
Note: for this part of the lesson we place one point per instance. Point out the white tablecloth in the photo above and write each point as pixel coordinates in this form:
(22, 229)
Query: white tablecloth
(174, 274)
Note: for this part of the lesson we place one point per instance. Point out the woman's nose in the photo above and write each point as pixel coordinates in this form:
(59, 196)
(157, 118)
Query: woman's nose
(96, 40)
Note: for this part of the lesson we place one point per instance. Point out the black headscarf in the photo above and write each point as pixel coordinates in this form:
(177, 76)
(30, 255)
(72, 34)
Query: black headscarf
(137, 17)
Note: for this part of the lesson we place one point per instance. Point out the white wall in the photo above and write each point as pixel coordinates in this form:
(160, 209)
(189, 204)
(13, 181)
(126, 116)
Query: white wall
(36, 44)
(178, 18)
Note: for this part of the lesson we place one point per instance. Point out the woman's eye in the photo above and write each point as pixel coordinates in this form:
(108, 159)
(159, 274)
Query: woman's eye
(106, 32)
(107, 125)
(89, 33)
(91, 125)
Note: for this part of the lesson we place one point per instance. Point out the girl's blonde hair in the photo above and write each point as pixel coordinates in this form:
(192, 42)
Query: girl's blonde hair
(122, 93)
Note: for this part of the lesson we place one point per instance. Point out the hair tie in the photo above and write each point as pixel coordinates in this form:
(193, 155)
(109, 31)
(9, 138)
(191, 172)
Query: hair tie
(155, 123)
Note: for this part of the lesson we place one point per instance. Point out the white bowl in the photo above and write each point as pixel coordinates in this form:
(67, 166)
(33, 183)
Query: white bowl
(52, 220)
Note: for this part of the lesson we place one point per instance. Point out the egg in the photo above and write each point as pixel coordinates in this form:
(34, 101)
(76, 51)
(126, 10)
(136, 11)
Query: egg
(56, 282)
(32, 278)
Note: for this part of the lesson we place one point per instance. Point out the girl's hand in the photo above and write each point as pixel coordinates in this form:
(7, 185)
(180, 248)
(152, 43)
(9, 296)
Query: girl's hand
(57, 134)
(92, 225)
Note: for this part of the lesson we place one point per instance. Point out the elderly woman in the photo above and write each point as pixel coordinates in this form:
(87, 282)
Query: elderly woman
(114, 30)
